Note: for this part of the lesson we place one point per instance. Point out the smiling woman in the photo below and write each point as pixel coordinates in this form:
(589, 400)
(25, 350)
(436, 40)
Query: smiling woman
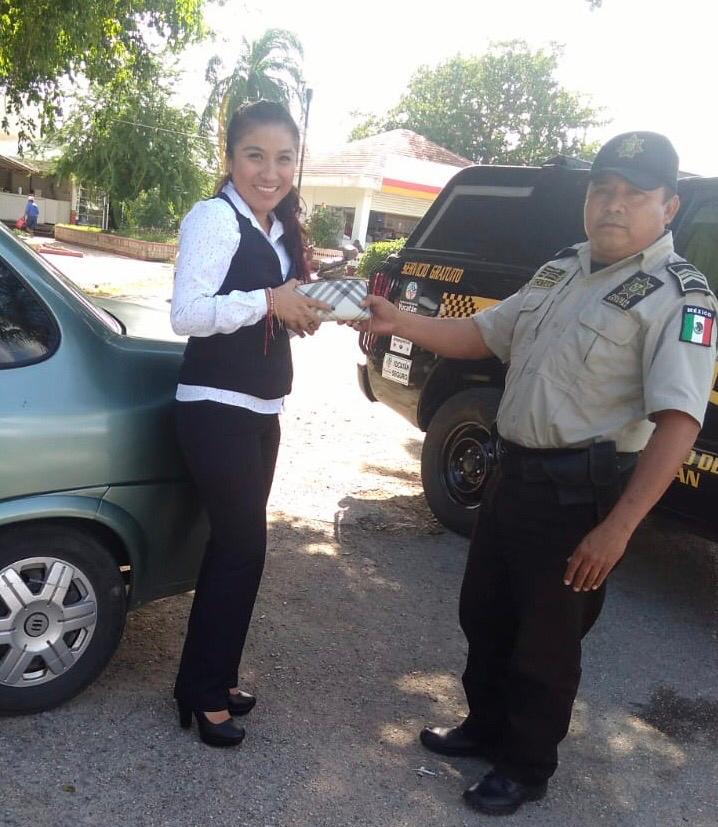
(240, 256)
(262, 166)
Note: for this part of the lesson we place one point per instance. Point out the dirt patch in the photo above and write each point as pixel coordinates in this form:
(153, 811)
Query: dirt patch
(372, 510)
(683, 719)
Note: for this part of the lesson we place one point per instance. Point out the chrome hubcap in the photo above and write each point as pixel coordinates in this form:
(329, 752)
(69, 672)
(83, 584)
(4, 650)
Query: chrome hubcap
(48, 613)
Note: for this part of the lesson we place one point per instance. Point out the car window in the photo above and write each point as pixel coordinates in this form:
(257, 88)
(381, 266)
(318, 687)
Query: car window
(28, 332)
(66, 285)
(699, 242)
(70, 287)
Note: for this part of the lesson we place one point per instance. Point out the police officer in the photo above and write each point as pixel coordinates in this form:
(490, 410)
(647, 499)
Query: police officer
(611, 349)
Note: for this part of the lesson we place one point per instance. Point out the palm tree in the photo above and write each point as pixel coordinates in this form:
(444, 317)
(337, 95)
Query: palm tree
(268, 68)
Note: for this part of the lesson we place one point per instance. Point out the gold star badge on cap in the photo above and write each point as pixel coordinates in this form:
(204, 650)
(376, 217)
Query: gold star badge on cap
(630, 147)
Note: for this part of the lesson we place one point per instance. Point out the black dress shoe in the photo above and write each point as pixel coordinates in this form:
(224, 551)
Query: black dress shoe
(226, 734)
(240, 703)
(454, 741)
(498, 795)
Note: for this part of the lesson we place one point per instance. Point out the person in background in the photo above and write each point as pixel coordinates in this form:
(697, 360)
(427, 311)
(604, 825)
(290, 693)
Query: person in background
(32, 211)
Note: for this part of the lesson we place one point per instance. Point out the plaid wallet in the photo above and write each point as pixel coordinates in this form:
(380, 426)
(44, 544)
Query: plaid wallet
(344, 295)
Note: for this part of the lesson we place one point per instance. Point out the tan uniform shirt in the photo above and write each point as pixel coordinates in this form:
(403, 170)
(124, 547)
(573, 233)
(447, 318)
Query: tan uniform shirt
(593, 355)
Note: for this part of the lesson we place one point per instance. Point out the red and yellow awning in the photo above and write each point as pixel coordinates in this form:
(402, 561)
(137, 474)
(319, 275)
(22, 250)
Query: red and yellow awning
(395, 187)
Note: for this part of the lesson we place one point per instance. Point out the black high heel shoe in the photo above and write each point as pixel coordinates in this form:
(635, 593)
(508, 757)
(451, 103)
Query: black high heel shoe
(240, 703)
(226, 734)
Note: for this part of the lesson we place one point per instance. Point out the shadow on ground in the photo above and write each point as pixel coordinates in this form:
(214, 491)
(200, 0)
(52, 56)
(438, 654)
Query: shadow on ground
(354, 646)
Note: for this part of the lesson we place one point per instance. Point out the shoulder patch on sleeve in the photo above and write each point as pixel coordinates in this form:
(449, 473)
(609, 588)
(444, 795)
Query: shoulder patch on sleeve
(566, 252)
(689, 279)
(547, 276)
(633, 290)
(697, 325)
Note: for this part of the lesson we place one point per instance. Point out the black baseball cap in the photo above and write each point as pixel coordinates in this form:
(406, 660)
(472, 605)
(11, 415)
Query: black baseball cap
(645, 159)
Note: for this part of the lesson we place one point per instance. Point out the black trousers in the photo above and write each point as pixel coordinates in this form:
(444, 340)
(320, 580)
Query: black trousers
(523, 625)
(231, 453)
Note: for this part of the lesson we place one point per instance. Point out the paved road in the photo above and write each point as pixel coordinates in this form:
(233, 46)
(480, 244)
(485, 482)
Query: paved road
(355, 646)
(110, 274)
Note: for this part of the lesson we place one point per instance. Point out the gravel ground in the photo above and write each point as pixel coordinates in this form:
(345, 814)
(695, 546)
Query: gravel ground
(355, 645)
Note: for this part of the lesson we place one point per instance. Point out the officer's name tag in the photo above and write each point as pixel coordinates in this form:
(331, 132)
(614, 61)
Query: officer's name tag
(697, 325)
(547, 276)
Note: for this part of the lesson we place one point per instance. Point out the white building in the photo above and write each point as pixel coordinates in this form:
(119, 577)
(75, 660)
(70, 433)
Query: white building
(383, 184)
(20, 178)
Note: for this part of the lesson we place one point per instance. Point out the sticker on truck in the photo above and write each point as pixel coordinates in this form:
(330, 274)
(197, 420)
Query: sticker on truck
(396, 368)
(399, 345)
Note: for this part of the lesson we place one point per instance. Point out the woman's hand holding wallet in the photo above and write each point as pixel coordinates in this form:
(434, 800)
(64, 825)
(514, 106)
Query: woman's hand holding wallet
(295, 311)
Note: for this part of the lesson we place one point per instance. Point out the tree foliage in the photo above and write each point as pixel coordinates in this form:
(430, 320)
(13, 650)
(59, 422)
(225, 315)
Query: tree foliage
(376, 254)
(268, 68)
(46, 44)
(503, 107)
(133, 144)
(325, 226)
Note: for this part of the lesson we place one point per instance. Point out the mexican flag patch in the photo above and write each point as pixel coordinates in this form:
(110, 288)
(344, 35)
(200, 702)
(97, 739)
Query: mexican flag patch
(697, 325)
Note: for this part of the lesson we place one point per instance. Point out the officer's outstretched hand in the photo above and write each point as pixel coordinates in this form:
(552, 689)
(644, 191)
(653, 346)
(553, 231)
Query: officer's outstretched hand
(595, 556)
(383, 319)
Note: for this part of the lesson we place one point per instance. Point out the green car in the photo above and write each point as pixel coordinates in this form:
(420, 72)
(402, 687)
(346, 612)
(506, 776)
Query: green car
(97, 514)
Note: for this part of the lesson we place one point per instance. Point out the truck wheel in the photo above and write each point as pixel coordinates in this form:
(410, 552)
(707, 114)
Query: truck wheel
(62, 611)
(458, 456)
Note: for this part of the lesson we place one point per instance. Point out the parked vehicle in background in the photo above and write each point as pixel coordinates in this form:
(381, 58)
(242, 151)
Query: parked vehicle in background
(481, 240)
(97, 514)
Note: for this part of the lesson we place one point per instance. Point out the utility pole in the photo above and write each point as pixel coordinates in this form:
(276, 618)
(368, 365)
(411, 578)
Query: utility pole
(308, 100)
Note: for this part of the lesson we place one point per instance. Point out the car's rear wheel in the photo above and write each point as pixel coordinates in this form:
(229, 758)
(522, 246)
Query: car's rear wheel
(62, 611)
(458, 456)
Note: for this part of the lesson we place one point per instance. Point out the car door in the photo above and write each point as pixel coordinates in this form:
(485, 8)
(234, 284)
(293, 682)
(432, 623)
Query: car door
(29, 338)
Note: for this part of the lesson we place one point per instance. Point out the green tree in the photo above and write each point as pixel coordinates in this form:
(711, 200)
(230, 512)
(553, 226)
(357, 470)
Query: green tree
(267, 68)
(369, 125)
(131, 141)
(47, 44)
(503, 107)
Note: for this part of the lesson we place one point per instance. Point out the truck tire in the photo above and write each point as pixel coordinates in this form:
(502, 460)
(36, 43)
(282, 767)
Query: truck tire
(458, 456)
(62, 611)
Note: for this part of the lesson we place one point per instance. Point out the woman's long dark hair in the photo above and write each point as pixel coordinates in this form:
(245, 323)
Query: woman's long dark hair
(264, 113)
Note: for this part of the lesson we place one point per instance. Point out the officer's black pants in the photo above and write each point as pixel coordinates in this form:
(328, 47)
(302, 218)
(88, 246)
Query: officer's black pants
(231, 453)
(523, 625)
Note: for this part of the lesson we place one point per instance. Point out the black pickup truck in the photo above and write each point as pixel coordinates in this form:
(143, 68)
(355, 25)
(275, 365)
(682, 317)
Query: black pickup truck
(481, 240)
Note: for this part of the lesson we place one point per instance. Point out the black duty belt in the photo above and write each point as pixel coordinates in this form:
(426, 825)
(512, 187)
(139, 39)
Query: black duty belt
(595, 474)
(597, 464)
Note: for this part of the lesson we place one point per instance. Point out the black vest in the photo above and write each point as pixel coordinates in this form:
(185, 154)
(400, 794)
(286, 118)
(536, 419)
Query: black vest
(237, 361)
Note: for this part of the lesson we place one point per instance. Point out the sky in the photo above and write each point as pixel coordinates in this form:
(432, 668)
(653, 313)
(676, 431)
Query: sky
(649, 64)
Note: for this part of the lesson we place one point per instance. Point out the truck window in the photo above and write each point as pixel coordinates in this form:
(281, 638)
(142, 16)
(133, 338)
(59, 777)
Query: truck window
(699, 242)
(520, 223)
(478, 220)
